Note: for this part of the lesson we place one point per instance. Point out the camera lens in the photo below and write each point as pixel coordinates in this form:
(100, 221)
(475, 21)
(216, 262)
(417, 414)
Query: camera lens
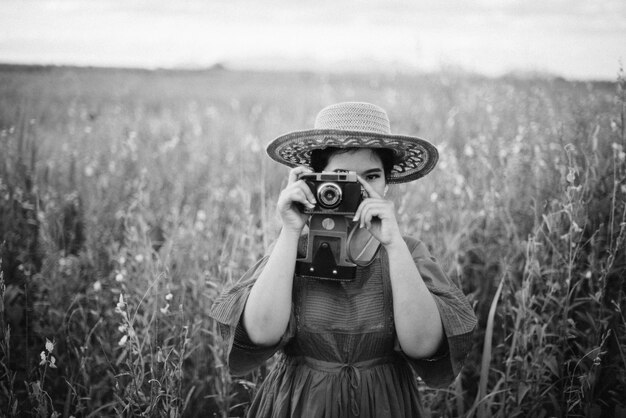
(329, 195)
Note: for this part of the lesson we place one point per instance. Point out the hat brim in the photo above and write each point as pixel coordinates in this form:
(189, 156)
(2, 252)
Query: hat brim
(413, 157)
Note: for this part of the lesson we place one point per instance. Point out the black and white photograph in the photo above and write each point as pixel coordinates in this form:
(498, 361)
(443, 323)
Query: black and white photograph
(313, 209)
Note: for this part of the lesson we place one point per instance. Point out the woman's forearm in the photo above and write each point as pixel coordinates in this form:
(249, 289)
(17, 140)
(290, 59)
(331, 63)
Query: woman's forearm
(417, 320)
(268, 308)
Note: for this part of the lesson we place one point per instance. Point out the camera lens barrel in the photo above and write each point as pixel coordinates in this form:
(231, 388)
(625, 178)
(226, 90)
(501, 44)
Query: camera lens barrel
(329, 195)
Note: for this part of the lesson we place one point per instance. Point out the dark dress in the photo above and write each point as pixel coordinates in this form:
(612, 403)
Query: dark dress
(339, 356)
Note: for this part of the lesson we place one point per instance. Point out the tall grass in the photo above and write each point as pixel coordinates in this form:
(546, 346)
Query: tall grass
(129, 199)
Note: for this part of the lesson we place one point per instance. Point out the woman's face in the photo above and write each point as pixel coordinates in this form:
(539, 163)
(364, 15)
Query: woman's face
(366, 164)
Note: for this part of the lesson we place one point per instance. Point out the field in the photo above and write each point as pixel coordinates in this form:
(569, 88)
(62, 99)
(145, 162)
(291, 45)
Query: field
(129, 199)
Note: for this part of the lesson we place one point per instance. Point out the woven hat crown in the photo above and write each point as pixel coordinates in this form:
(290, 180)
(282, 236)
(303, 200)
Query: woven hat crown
(364, 117)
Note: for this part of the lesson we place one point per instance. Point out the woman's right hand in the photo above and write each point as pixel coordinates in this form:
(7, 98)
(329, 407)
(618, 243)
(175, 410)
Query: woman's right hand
(294, 197)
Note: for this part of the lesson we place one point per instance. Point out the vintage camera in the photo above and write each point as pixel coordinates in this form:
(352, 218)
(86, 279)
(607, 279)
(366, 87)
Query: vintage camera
(338, 197)
(336, 193)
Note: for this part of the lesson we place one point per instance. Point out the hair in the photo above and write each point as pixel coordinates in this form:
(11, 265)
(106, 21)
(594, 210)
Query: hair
(320, 157)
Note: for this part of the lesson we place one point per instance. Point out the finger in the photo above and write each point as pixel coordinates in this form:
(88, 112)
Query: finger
(359, 210)
(295, 173)
(294, 195)
(367, 215)
(368, 188)
(364, 204)
(301, 184)
(374, 209)
(300, 196)
(362, 211)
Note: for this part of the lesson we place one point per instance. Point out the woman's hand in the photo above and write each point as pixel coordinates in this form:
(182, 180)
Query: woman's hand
(296, 195)
(378, 216)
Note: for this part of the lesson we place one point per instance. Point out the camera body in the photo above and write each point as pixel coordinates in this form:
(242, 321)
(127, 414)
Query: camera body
(338, 196)
(336, 193)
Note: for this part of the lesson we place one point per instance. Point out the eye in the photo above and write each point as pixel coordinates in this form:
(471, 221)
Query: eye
(373, 176)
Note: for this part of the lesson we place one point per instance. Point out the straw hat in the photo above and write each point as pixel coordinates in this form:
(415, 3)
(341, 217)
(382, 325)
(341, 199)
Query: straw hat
(356, 125)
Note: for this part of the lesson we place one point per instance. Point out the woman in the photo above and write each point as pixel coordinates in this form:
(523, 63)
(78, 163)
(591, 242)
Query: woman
(347, 348)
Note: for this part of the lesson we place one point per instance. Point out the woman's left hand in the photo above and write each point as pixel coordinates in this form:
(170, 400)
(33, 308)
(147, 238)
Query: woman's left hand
(378, 215)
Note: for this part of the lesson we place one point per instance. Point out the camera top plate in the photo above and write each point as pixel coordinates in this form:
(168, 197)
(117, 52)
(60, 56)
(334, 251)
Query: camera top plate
(341, 176)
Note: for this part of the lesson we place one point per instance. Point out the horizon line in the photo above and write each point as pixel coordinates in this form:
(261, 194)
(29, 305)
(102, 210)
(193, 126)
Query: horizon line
(319, 69)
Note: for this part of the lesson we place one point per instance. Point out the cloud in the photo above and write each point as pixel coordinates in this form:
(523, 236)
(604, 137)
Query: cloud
(575, 38)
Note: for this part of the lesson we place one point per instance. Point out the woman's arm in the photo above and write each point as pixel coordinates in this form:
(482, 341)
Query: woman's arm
(417, 320)
(268, 308)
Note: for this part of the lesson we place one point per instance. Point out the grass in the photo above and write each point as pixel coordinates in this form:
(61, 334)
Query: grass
(129, 199)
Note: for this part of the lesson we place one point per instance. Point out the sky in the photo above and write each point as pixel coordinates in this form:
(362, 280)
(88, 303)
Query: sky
(576, 39)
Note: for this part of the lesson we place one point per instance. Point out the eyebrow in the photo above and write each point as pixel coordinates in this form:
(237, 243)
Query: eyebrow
(373, 170)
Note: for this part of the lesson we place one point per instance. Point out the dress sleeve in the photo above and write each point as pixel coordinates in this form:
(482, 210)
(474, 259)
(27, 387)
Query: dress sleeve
(243, 355)
(457, 317)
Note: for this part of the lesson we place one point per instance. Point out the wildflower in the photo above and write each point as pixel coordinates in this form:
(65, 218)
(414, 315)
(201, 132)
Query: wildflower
(122, 328)
(614, 126)
(123, 340)
(48, 358)
(618, 150)
(119, 277)
(89, 171)
(97, 286)
(169, 297)
(588, 274)
(576, 228)
(433, 197)
(571, 175)
(574, 189)
(165, 309)
(121, 305)
(201, 215)
(27, 270)
(139, 258)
